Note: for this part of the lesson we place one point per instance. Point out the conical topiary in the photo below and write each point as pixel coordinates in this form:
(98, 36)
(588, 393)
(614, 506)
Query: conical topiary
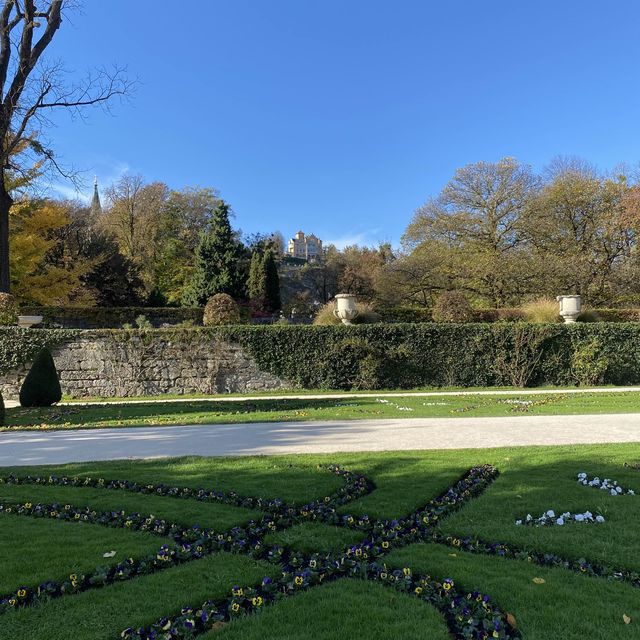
(1, 409)
(41, 387)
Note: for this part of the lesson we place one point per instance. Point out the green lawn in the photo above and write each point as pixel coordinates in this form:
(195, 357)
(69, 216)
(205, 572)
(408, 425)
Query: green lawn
(372, 406)
(305, 392)
(566, 605)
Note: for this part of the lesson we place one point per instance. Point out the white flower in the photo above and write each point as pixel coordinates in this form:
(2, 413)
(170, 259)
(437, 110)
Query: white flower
(518, 522)
(551, 513)
(607, 484)
(560, 521)
(599, 519)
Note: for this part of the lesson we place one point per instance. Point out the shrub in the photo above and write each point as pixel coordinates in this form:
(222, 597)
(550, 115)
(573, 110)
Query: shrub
(366, 315)
(41, 387)
(355, 363)
(541, 310)
(8, 310)
(589, 315)
(499, 315)
(405, 314)
(588, 364)
(221, 309)
(143, 323)
(452, 306)
(518, 352)
(619, 315)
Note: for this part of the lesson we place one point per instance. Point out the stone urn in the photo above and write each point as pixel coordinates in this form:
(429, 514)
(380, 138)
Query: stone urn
(570, 307)
(346, 310)
(25, 322)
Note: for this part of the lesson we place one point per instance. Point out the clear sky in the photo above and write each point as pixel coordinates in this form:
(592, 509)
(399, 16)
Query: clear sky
(341, 117)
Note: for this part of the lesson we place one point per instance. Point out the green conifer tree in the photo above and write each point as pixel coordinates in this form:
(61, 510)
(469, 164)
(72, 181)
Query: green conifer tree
(257, 283)
(218, 262)
(41, 387)
(272, 300)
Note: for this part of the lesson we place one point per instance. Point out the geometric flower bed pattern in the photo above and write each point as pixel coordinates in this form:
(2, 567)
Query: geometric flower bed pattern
(468, 614)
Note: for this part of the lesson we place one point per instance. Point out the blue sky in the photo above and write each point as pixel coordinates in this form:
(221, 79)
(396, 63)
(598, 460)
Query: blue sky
(342, 117)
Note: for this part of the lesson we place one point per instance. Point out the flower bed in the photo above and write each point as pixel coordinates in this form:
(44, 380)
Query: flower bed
(606, 484)
(469, 613)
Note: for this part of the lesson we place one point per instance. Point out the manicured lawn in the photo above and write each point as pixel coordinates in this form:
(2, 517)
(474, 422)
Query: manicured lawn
(377, 407)
(567, 605)
(32, 551)
(329, 392)
(346, 609)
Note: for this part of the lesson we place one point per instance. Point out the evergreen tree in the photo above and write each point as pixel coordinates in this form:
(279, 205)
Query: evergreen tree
(41, 387)
(217, 267)
(257, 283)
(272, 300)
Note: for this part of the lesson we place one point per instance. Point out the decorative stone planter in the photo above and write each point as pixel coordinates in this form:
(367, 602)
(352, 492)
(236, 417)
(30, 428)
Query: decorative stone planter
(570, 307)
(25, 322)
(346, 310)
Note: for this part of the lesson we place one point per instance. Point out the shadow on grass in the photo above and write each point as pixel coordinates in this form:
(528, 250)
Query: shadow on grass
(170, 412)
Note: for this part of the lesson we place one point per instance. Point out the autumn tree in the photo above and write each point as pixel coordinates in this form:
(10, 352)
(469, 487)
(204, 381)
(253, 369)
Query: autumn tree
(135, 216)
(36, 276)
(361, 268)
(580, 230)
(31, 88)
(479, 216)
(110, 278)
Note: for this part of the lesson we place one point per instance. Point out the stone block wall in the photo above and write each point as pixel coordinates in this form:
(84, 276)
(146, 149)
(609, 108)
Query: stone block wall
(141, 366)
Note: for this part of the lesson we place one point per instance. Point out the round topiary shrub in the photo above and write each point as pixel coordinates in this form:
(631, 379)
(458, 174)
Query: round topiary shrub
(41, 387)
(221, 309)
(8, 310)
(452, 306)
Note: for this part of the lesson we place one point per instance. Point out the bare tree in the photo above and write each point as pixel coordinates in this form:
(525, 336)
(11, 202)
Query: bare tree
(30, 88)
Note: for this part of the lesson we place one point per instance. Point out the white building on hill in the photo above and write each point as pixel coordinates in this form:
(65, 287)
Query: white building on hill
(305, 247)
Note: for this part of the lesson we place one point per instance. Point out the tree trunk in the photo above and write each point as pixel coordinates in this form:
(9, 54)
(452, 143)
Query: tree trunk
(5, 205)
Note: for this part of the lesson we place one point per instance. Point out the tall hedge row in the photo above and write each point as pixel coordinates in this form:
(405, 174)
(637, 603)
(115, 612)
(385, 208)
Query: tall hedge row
(112, 317)
(400, 355)
(116, 317)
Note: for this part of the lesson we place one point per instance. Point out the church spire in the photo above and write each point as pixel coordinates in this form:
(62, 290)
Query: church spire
(96, 207)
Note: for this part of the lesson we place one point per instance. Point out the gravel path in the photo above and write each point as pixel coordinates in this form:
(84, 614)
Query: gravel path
(48, 447)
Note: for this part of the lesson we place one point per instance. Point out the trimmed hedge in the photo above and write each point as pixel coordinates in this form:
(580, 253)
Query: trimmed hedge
(41, 387)
(116, 317)
(112, 317)
(507, 314)
(399, 355)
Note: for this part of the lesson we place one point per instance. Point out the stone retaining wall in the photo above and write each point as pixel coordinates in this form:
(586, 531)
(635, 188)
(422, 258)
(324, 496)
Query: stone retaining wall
(104, 367)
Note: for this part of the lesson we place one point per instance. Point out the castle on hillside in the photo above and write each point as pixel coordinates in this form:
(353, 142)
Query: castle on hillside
(305, 247)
